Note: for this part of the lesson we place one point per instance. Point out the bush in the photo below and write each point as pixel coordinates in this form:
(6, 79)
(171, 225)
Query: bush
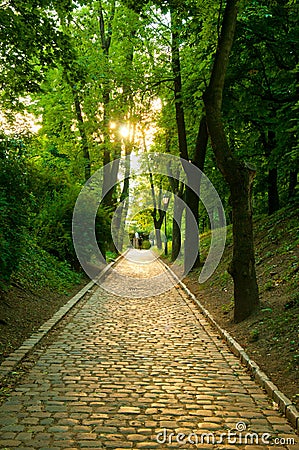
(40, 203)
(146, 245)
(53, 224)
(14, 202)
(40, 269)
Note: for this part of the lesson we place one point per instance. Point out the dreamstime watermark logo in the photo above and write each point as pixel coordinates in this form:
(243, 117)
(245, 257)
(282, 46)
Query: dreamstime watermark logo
(239, 436)
(114, 174)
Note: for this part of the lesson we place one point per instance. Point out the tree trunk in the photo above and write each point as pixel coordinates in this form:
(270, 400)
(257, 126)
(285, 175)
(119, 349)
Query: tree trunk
(177, 188)
(158, 234)
(108, 199)
(81, 126)
(109, 174)
(192, 199)
(176, 240)
(84, 141)
(158, 213)
(129, 101)
(124, 200)
(176, 69)
(201, 145)
(242, 267)
(178, 209)
(176, 229)
(158, 237)
(292, 183)
(238, 176)
(191, 238)
(273, 196)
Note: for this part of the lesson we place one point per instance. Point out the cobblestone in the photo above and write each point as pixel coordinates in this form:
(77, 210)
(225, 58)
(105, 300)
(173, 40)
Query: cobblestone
(125, 369)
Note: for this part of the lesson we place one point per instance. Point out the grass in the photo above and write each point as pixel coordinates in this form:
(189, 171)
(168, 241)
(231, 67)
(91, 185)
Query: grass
(39, 270)
(111, 256)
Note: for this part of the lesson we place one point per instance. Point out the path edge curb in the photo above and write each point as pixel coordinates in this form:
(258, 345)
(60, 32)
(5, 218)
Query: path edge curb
(17, 356)
(285, 405)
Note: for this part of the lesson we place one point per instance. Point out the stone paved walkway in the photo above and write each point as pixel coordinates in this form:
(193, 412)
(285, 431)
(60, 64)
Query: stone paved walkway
(128, 372)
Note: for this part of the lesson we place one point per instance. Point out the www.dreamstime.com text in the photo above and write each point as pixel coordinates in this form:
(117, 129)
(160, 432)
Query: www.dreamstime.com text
(240, 435)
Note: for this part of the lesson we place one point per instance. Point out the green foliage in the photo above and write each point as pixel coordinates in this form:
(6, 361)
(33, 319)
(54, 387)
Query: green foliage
(53, 224)
(14, 201)
(144, 220)
(227, 307)
(55, 102)
(55, 49)
(262, 86)
(30, 42)
(40, 269)
(254, 335)
(146, 245)
(111, 256)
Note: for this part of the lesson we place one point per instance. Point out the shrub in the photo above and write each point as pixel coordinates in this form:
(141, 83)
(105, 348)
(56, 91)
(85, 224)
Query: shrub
(146, 245)
(14, 202)
(40, 269)
(53, 224)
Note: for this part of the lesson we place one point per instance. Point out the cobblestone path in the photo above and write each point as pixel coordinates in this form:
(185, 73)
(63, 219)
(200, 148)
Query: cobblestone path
(128, 372)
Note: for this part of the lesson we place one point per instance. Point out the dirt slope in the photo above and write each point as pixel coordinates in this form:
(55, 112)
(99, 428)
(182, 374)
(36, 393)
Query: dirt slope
(271, 335)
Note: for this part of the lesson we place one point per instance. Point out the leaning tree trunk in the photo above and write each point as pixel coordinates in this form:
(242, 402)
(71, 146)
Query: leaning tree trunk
(176, 239)
(238, 176)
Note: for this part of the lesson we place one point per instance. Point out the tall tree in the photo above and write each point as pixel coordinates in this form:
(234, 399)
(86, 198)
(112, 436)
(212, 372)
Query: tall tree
(173, 38)
(81, 125)
(106, 19)
(192, 199)
(238, 175)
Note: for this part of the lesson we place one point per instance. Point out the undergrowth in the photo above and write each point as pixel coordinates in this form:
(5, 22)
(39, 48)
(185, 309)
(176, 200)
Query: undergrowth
(38, 270)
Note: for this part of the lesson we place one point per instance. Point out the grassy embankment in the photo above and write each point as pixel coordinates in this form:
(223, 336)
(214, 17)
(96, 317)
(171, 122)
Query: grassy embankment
(271, 335)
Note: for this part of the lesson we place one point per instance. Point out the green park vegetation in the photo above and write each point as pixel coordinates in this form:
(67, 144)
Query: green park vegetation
(84, 83)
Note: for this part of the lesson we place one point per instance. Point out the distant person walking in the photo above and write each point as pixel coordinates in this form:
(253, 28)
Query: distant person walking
(136, 240)
(140, 242)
